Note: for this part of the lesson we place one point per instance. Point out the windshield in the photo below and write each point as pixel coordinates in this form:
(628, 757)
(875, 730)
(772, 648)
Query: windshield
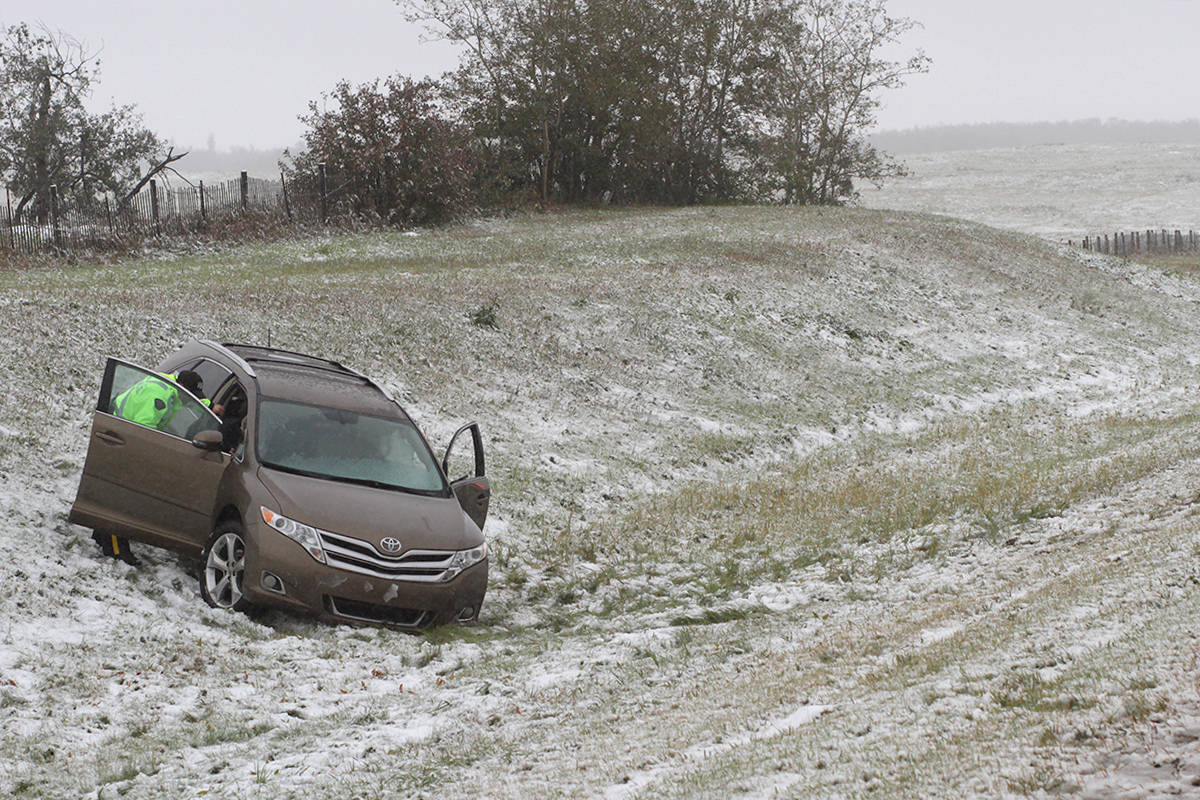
(346, 446)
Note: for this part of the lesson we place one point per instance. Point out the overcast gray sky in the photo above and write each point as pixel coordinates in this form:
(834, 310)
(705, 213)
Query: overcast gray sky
(243, 70)
(1030, 60)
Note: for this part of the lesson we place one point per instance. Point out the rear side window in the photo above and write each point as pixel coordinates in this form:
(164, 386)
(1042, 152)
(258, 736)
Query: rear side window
(153, 400)
(213, 374)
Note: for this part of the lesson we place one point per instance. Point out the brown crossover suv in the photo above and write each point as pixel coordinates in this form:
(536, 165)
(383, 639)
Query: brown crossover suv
(299, 482)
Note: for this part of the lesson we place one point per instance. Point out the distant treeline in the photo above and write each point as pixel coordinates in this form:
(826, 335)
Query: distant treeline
(1022, 134)
(980, 136)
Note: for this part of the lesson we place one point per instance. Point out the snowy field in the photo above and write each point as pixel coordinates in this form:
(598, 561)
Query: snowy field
(1063, 192)
(788, 503)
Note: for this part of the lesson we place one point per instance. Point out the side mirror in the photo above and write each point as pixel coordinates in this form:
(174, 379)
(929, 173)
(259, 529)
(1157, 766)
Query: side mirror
(208, 440)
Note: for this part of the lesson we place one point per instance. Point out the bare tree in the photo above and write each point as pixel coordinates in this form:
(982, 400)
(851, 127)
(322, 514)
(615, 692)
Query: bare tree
(48, 138)
(817, 96)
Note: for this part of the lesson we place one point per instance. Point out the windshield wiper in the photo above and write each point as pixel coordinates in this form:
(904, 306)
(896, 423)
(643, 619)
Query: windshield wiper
(295, 470)
(374, 484)
(391, 487)
(365, 482)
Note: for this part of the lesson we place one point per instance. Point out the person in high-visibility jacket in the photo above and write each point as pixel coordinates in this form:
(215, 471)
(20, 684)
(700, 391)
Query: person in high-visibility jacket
(153, 401)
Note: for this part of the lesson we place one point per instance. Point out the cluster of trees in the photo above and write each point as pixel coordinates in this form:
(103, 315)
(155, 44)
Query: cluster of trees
(624, 101)
(49, 139)
(672, 101)
(564, 101)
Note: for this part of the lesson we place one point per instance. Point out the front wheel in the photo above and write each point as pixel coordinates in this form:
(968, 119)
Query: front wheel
(224, 568)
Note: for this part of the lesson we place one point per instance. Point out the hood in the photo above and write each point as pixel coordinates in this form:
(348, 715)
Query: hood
(369, 514)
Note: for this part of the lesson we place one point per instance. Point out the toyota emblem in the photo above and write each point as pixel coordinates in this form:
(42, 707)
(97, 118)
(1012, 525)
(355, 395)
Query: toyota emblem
(390, 545)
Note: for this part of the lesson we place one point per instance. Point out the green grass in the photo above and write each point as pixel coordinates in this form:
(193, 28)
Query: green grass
(1181, 263)
(977, 478)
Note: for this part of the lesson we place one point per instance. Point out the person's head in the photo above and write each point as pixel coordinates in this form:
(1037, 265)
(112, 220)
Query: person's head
(235, 406)
(191, 381)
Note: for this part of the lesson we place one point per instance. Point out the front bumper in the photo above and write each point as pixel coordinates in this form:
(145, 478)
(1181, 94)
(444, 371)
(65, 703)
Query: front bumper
(281, 573)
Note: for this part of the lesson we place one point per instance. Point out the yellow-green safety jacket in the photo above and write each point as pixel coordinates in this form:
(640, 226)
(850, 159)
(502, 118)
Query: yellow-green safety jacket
(153, 401)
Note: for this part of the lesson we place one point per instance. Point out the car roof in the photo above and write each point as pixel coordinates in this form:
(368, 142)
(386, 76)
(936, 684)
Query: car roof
(303, 378)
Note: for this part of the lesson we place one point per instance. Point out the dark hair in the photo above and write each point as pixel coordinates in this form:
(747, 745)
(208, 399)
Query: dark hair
(235, 406)
(190, 381)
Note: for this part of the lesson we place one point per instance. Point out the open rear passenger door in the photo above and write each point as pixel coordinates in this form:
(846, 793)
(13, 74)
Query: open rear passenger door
(155, 480)
(471, 487)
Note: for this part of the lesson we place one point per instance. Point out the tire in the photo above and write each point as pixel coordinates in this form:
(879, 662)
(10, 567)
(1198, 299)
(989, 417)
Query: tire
(223, 568)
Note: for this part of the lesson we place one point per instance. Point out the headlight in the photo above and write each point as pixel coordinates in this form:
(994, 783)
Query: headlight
(462, 559)
(306, 536)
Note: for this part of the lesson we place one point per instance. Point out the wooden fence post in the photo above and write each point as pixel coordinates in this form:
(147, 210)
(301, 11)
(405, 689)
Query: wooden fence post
(324, 193)
(203, 215)
(108, 213)
(54, 215)
(154, 206)
(287, 209)
(12, 236)
(245, 189)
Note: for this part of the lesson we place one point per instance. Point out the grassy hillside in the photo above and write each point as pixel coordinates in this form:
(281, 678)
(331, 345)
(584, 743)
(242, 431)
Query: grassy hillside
(823, 503)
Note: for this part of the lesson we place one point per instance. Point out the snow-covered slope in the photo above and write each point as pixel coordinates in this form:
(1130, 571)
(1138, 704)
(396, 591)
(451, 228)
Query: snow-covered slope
(823, 503)
(1063, 192)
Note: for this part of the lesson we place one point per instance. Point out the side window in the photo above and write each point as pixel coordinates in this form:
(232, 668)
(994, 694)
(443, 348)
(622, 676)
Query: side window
(211, 373)
(191, 418)
(464, 455)
(153, 400)
(118, 380)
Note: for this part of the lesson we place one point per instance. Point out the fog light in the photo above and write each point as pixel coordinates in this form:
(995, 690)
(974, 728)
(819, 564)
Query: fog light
(272, 583)
(466, 614)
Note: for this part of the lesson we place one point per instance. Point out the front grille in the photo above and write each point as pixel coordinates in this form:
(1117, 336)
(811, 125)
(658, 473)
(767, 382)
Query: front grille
(423, 566)
(373, 612)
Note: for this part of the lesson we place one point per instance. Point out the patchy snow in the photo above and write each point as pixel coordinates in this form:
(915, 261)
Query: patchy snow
(1059, 191)
(817, 503)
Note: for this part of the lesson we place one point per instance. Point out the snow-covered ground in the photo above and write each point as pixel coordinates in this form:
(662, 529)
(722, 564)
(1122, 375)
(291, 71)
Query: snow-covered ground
(1064, 192)
(809, 503)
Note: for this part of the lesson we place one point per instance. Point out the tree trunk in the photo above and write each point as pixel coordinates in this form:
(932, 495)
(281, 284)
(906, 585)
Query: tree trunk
(41, 153)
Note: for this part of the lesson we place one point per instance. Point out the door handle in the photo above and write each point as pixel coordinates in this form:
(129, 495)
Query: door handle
(109, 437)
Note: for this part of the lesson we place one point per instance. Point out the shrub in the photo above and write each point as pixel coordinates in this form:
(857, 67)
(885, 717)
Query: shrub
(388, 154)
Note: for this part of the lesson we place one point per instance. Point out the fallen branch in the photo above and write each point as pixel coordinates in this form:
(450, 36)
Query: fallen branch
(168, 159)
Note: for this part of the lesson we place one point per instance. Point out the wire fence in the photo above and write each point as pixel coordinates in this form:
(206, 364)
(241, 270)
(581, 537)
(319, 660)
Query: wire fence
(160, 210)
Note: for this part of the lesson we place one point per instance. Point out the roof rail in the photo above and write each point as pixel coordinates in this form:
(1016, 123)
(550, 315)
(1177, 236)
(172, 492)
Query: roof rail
(268, 351)
(232, 356)
(309, 360)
